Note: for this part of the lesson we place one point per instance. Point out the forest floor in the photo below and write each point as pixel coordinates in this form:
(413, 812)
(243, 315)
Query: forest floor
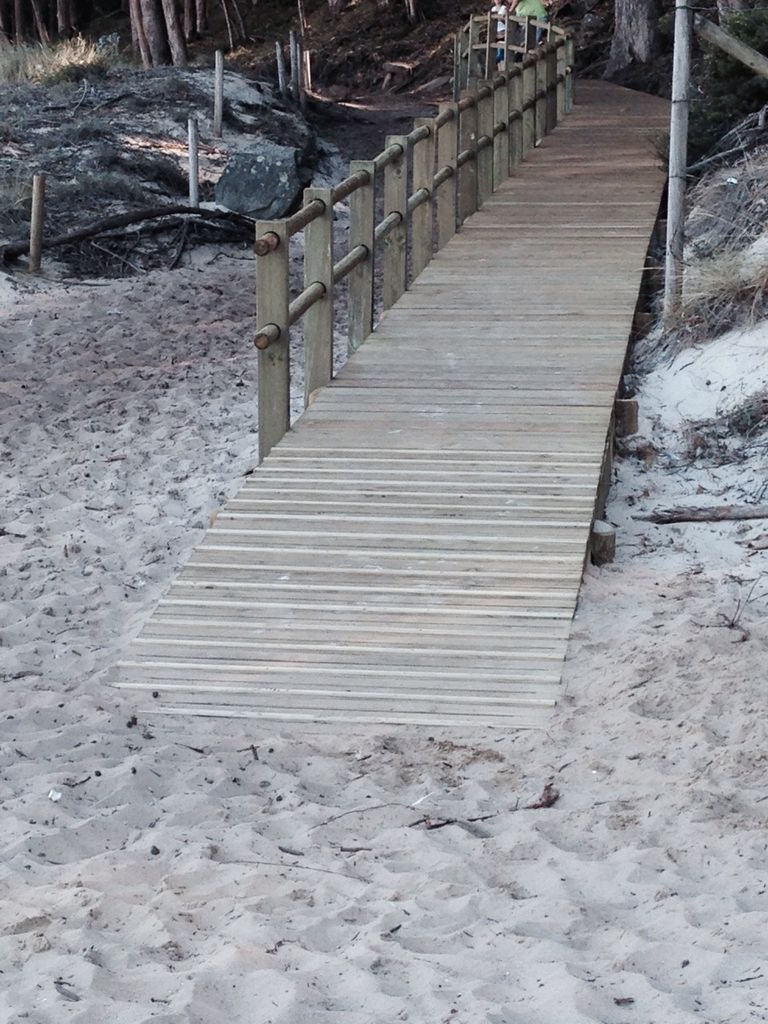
(189, 873)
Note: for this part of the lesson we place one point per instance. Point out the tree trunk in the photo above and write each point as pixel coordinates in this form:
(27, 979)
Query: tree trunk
(228, 23)
(65, 18)
(240, 22)
(5, 24)
(18, 21)
(174, 33)
(634, 35)
(42, 30)
(139, 36)
(154, 30)
(201, 21)
(189, 20)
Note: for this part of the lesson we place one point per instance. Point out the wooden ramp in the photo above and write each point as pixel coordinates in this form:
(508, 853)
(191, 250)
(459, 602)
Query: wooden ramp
(411, 552)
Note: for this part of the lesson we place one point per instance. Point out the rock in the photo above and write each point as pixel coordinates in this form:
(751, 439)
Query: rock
(263, 184)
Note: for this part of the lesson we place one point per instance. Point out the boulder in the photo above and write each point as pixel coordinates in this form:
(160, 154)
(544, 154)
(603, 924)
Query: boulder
(263, 184)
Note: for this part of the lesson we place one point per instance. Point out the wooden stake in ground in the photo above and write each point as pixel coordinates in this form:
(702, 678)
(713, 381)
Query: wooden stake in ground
(218, 94)
(295, 70)
(282, 77)
(678, 161)
(36, 223)
(194, 164)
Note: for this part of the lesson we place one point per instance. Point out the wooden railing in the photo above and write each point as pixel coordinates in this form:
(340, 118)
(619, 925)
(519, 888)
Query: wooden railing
(479, 44)
(430, 181)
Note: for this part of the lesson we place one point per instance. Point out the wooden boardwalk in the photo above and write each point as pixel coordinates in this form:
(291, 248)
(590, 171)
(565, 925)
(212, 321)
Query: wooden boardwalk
(411, 552)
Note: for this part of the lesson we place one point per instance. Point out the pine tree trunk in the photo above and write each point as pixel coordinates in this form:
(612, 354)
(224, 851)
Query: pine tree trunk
(139, 36)
(189, 20)
(634, 34)
(154, 30)
(174, 33)
(5, 24)
(201, 21)
(40, 26)
(18, 21)
(64, 18)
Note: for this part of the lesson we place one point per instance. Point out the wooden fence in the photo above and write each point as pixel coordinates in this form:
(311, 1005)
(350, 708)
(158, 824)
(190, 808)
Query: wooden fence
(486, 42)
(430, 180)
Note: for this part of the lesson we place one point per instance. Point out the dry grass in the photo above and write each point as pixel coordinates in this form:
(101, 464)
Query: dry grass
(725, 291)
(65, 61)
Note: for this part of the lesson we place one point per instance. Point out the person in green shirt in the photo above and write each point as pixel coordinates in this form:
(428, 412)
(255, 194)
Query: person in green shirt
(531, 9)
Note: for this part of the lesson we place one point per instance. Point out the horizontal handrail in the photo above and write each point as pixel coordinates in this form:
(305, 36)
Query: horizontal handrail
(420, 196)
(347, 263)
(384, 227)
(314, 209)
(388, 156)
(349, 185)
(305, 300)
(430, 181)
(444, 117)
(418, 134)
(444, 174)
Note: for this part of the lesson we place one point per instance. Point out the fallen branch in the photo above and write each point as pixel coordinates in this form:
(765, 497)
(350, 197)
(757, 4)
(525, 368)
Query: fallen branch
(13, 250)
(714, 514)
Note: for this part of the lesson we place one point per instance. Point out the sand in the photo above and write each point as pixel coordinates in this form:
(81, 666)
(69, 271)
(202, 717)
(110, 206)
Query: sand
(192, 872)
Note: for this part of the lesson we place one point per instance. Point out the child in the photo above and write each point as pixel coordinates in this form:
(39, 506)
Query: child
(499, 9)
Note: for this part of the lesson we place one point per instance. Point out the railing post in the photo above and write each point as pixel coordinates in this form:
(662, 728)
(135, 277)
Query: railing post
(541, 97)
(396, 241)
(501, 141)
(447, 151)
(472, 53)
(516, 118)
(529, 106)
(561, 65)
(550, 62)
(490, 57)
(274, 412)
(529, 35)
(423, 216)
(318, 320)
(468, 172)
(485, 155)
(362, 224)
(570, 56)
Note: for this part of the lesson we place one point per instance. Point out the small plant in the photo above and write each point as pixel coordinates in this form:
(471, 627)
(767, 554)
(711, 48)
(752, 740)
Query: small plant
(733, 621)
